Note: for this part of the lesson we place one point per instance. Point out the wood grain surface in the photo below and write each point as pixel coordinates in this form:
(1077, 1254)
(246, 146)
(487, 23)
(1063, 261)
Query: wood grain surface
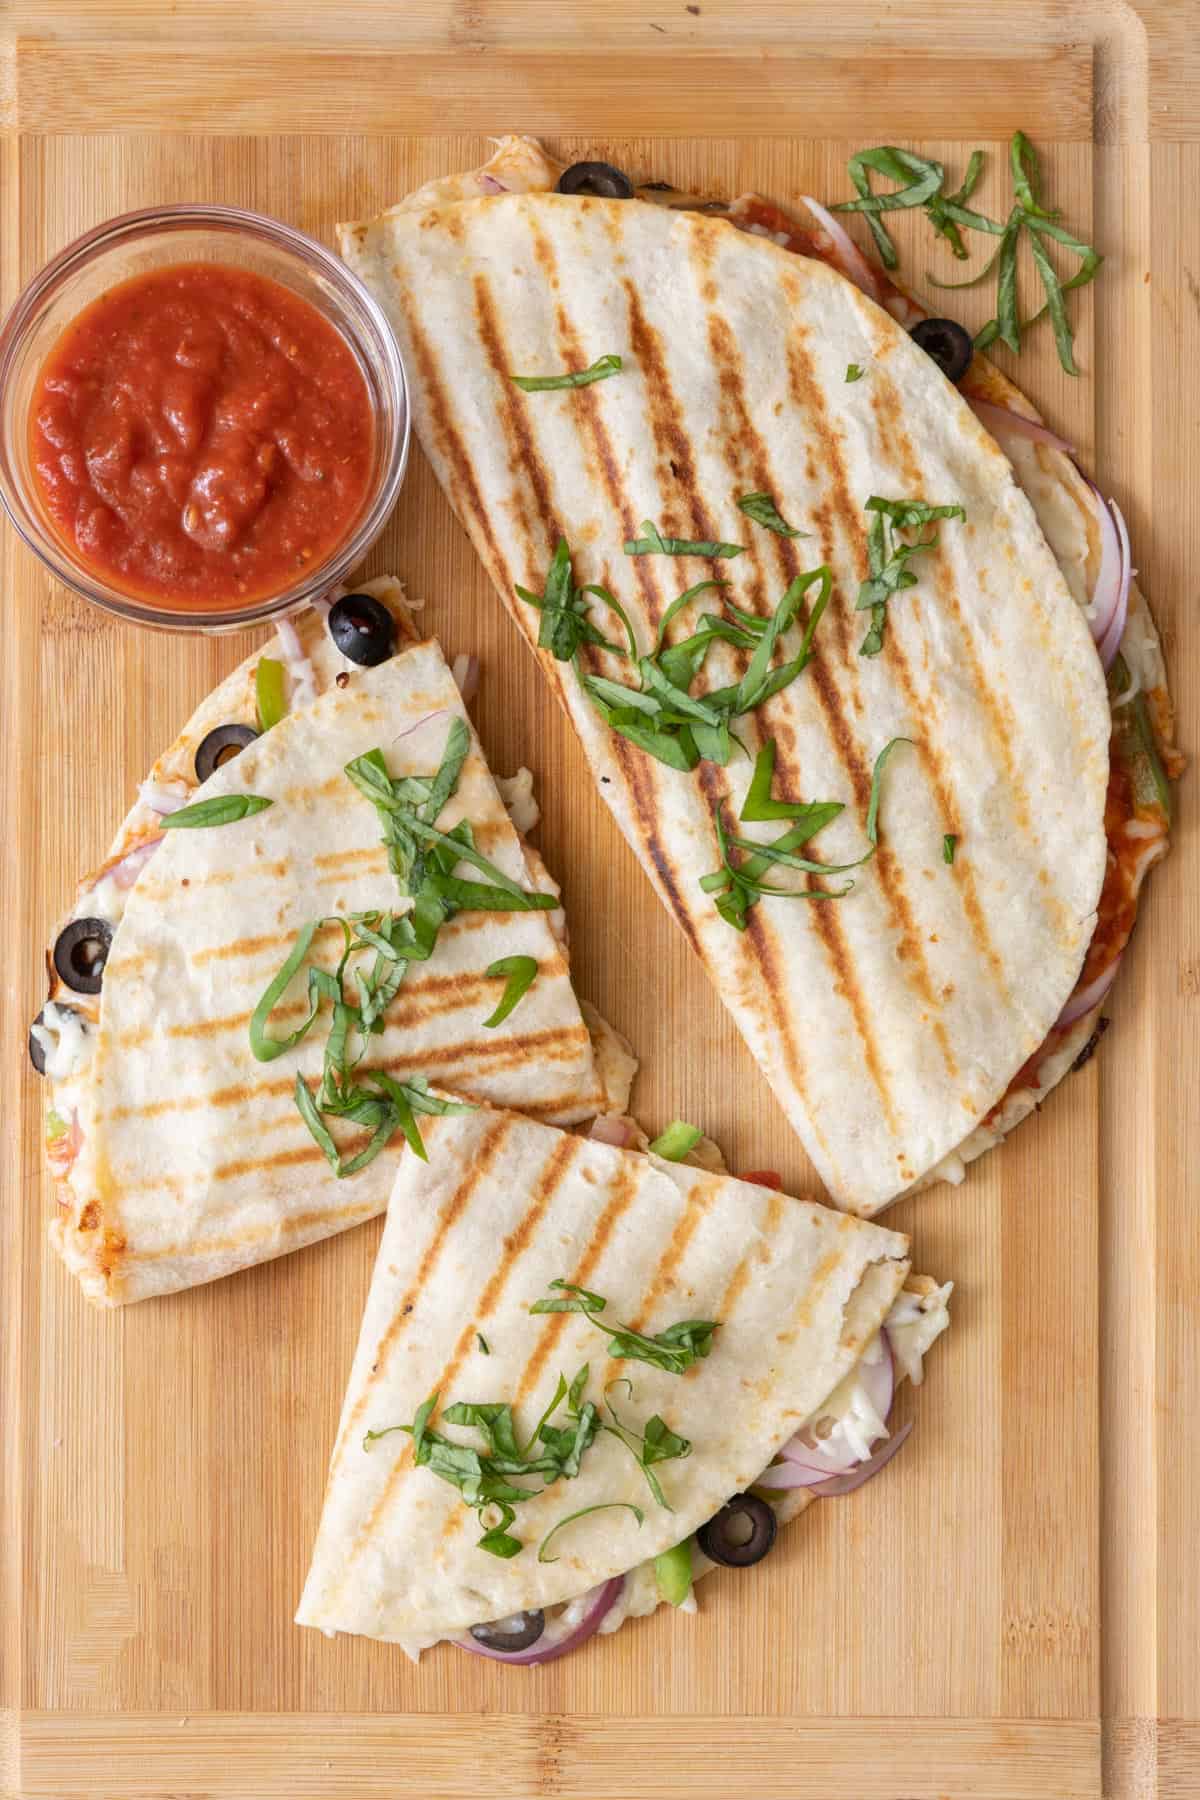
(1018, 1594)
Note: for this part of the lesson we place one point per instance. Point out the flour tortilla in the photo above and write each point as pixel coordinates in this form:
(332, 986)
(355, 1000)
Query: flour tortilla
(503, 1207)
(890, 1023)
(194, 1160)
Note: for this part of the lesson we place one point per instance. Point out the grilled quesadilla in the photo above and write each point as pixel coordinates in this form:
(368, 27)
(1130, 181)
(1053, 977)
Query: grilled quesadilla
(585, 1375)
(764, 546)
(204, 1104)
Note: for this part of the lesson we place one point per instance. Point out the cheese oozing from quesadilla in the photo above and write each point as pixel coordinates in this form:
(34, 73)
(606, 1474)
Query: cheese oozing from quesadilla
(717, 1336)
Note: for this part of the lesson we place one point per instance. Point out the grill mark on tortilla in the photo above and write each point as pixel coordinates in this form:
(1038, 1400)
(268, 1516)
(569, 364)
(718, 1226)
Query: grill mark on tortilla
(461, 924)
(738, 1281)
(619, 1201)
(482, 1158)
(462, 989)
(468, 500)
(513, 415)
(553, 1045)
(673, 446)
(602, 464)
(747, 457)
(290, 1224)
(885, 403)
(821, 1276)
(557, 1168)
(696, 1204)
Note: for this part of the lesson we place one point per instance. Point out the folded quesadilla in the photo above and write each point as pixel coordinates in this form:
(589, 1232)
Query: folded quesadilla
(765, 549)
(265, 962)
(585, 1375)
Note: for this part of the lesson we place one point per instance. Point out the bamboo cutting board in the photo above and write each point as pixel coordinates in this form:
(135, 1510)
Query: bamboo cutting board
(1017, 1594)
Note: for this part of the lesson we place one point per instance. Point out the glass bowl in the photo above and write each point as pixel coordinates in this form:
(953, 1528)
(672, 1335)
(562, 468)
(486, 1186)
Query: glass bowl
(132, 245)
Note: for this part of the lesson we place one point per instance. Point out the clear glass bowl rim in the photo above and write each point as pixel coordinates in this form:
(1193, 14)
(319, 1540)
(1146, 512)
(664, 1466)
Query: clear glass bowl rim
(148, 222)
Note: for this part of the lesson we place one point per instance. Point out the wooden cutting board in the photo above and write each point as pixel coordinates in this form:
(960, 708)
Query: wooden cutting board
(1017, 1595)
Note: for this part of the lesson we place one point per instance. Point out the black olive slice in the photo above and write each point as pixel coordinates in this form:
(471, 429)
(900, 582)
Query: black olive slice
(515, 1633)
(221, 745)
(37, 1055)
(597, 178)
(363, 629)
(80, 953)
(949, 345)
(741, 1533)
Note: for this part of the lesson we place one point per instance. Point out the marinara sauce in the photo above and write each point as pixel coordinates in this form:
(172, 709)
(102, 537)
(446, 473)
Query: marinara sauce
(201, 435)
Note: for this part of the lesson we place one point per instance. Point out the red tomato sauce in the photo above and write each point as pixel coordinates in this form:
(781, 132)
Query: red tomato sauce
(201, 435)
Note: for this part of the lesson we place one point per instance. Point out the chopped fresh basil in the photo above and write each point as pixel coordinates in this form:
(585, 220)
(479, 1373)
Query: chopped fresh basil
(656, 1444)
(218, 809)
(601, 1506)
(521, 972)
(854, 372)
(676, 1141)
(679, 602)
(485, 1348)
(737, 886)
(763, 510)
(269, 693)
(564, 623)
(423, 860)
(497, 1540)
(888, 555)
(652, 543)
(673, 1350)
(949, 846)
(758, 806)
(920, 183)
(600, 370)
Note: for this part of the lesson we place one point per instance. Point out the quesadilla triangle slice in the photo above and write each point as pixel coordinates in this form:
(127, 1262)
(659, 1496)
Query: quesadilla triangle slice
(855, 650)
(251, 1079)
(723, 1355)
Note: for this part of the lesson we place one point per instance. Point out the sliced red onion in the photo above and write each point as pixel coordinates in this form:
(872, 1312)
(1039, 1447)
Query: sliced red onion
(611, 1130)
(162, 799)
(426, 719)
(603, 1600)
(126, 872)
(465, 670)
(859, 1476)
(490, 185)
(1110, 642)
(1084, 998)
(851, 261)
(1000, 420)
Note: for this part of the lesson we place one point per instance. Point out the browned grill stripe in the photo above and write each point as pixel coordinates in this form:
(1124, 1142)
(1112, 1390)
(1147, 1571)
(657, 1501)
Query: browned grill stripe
(624, 1191)
(460, 476)
(290, 1226)
(555, 1172)
(514, 422)
(821, 1277)
(416, 1003)
(675, 455)
(483, 1157)
(748, 460)
(696, 1204)
(553, 1045)
(736, 1286)
(560, 1160)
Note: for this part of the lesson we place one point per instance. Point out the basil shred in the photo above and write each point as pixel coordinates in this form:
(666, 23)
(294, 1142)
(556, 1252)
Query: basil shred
(674, 1350)
(652, 543)
(920, 182)
(600, 370)
(423, 860)
(521, 972)
(661, 715)
(738, 886)
(218, 809)
(763, 510)
(888, 555)
(554, 1450)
